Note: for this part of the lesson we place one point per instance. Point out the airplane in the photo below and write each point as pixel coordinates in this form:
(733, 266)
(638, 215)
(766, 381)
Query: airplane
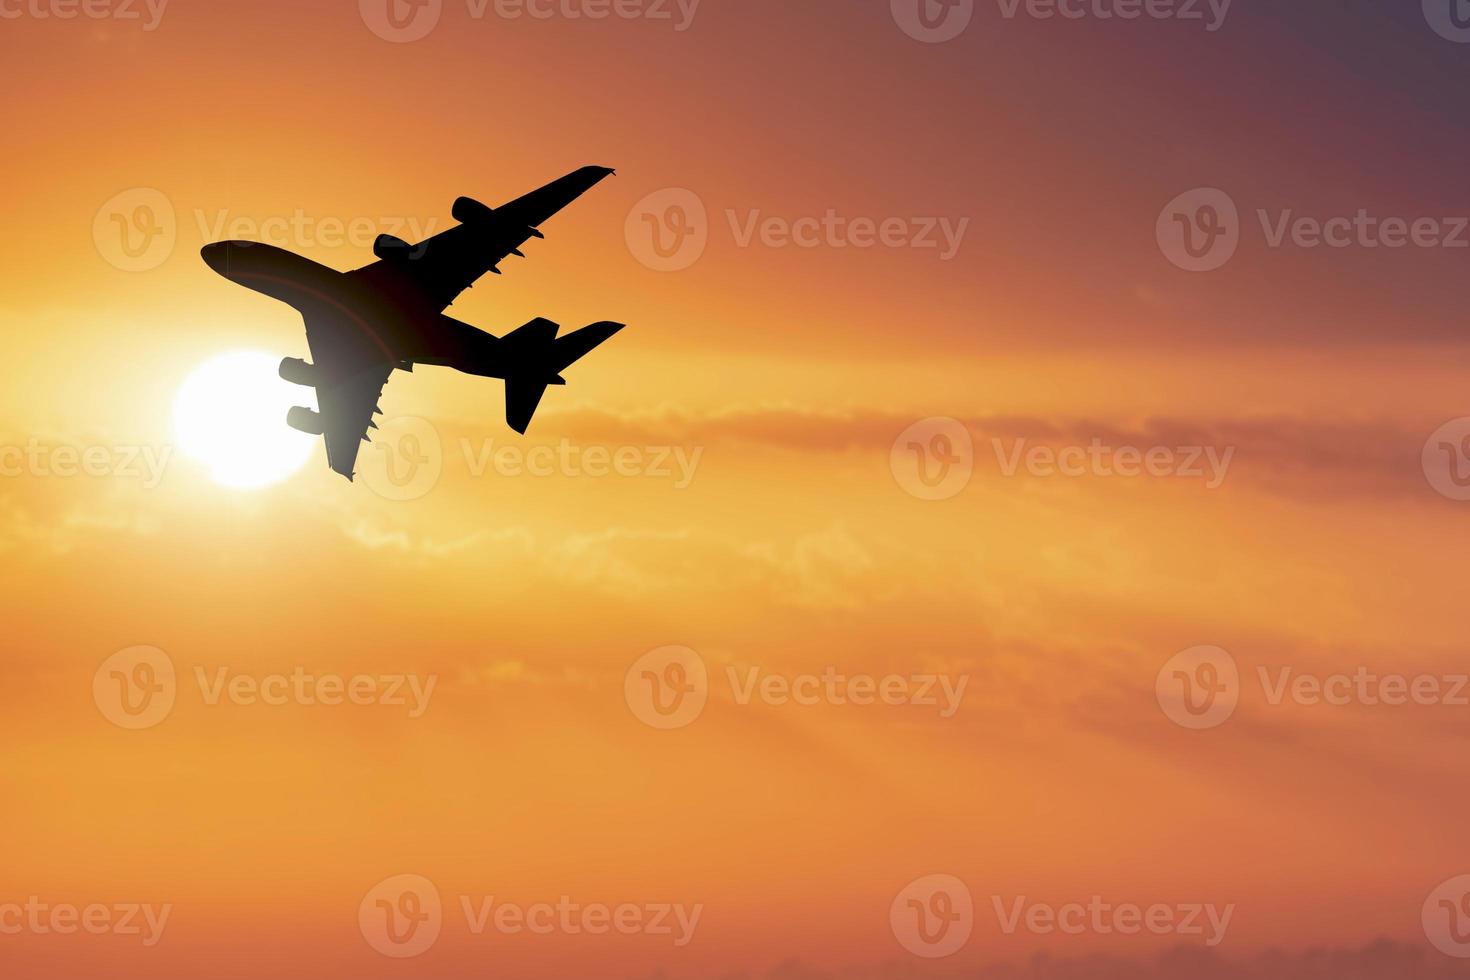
(388, 316)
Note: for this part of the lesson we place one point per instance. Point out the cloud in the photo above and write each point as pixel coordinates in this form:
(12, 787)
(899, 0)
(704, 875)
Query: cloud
(376, 536)
(828, 569)
(1379, 960)
(1286, 455)
(1304, 459)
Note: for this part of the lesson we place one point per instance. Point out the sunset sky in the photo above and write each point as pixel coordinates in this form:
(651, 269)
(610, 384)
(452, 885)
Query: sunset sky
(900, 310)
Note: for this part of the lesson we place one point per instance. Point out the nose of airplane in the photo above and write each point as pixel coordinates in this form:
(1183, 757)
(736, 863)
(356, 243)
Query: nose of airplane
(233, 259)
(217, 257)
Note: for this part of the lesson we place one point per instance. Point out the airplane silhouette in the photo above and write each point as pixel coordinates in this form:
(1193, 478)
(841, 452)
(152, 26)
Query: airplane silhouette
(363, 325)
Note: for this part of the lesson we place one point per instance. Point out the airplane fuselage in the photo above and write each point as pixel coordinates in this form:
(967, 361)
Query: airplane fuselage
(397, 324)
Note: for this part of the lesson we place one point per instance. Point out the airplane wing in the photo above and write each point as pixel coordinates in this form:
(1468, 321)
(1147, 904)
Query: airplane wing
(440, 268)
(352, 371)
(347, 409)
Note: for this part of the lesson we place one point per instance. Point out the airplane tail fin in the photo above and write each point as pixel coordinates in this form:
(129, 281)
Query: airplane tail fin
(539, 357)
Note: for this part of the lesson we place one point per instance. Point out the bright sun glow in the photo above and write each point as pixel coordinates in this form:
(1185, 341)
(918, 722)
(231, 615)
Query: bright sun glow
(230, 414)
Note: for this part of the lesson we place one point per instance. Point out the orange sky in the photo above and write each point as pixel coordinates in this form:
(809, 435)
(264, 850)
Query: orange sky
(771, 516)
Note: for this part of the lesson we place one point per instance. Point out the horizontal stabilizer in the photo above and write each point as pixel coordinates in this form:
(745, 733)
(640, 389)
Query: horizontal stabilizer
(540, 358)
(575, 346)
(522, 398)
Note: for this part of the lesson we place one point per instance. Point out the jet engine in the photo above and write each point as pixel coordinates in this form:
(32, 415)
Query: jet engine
(469, 211)
(305, 420)
(390, 247)
(298, 372)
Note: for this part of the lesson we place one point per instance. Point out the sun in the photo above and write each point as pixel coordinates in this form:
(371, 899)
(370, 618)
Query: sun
(230, 415)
